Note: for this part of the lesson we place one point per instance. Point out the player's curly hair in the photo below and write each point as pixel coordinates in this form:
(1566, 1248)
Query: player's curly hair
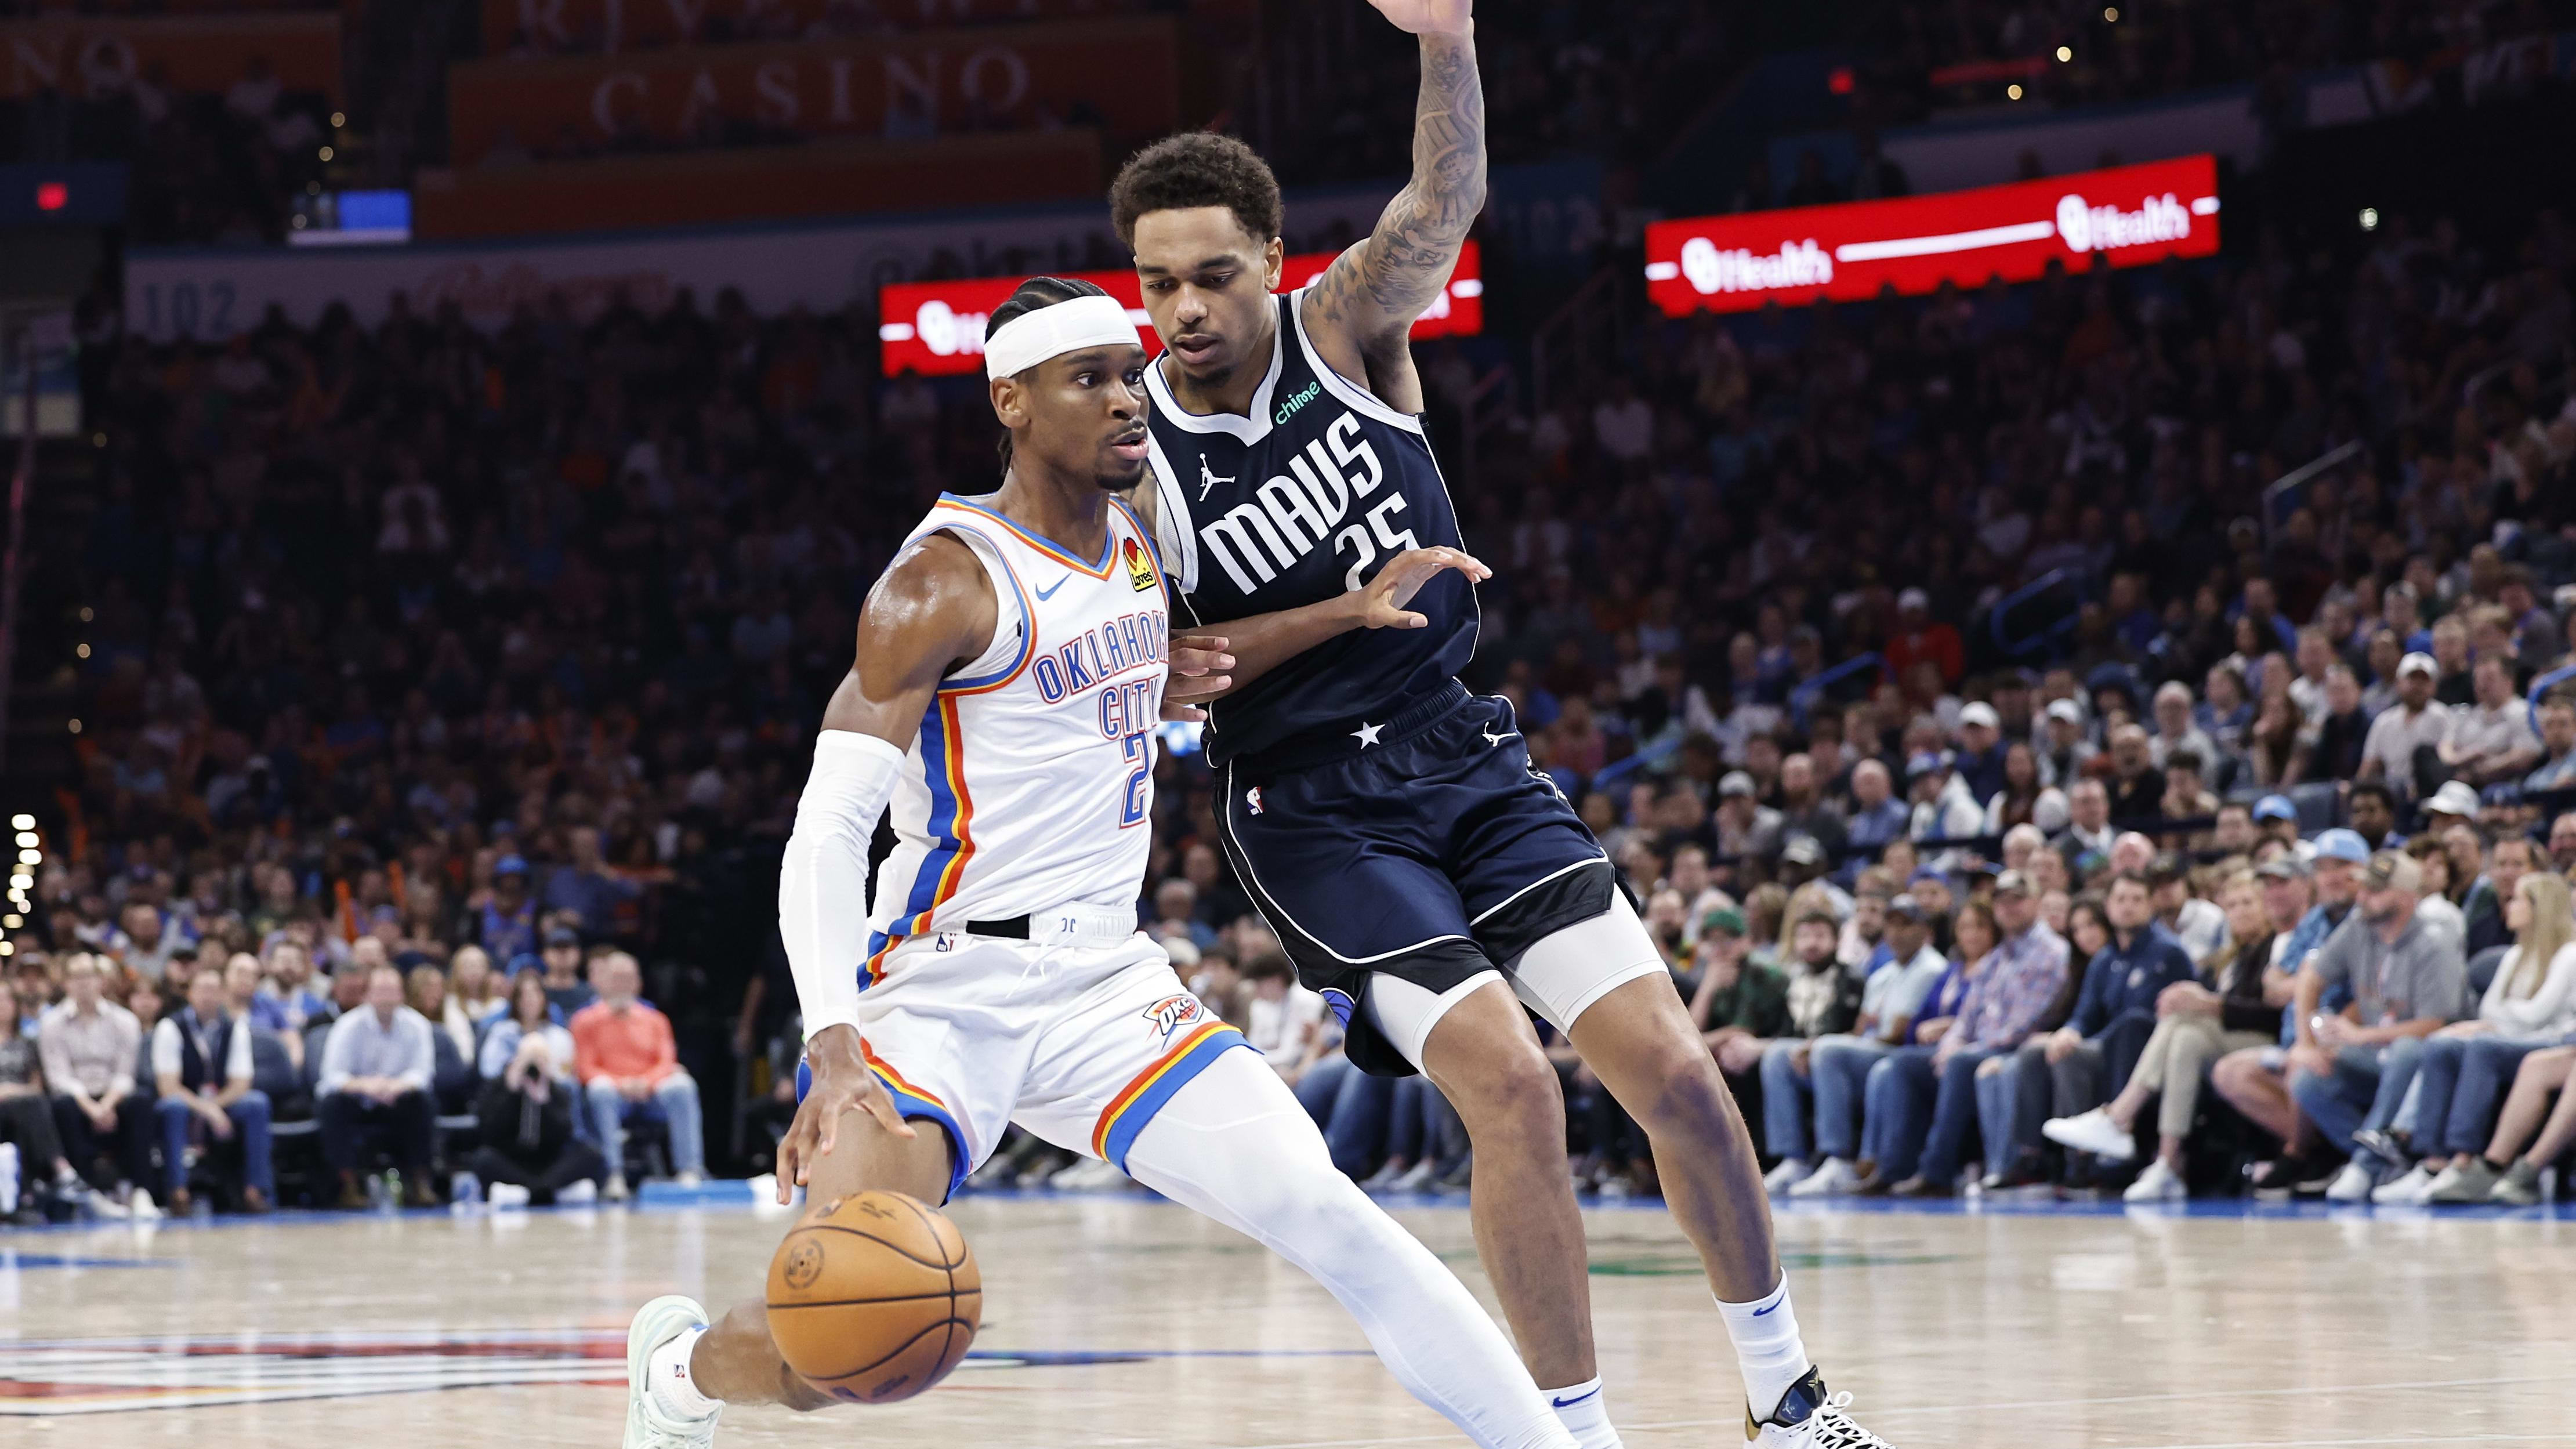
(1196, 168)
(1034, 293)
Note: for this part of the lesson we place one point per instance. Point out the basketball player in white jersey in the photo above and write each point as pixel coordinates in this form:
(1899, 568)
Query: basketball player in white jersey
(1009, 673)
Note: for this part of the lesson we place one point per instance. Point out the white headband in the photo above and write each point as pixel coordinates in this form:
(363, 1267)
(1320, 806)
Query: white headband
(1054, 330)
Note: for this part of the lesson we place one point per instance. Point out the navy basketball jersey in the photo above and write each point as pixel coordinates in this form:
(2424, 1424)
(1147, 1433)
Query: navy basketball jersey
(1304, 500)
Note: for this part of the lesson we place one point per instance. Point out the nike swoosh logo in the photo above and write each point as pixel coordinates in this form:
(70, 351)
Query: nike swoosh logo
(1570, 1403)
(1774, 1308)
(1049, 591)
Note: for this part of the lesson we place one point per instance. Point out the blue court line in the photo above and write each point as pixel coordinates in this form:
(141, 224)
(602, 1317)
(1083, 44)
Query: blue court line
(11, 1259)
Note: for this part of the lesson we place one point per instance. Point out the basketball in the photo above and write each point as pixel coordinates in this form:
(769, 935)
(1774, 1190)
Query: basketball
(874, 1298)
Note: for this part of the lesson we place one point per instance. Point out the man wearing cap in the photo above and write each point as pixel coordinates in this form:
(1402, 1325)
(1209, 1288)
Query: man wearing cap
(1980, 762)
(2416, 722)
(1837, 1069)
(1746, 827)
(2252, 1079)
(2275, 818)
(566, 991)
(1943, 808)
(507, 923)
(2456, 803)
(2004, 1003)
(2063, 747)
(2490, 739)
(2407, 979)
(2087, 1061)
(1918, 637)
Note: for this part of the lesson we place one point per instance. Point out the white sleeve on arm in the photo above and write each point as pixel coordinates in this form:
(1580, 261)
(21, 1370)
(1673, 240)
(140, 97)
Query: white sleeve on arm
(822, 881)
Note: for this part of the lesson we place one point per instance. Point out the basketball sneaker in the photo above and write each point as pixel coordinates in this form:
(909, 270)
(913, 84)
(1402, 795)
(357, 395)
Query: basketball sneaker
(648, 1425)
(1810, 1418)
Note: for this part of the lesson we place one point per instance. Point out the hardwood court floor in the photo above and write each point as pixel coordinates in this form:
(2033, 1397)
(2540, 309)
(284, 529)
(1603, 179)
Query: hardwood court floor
(1126, 1322)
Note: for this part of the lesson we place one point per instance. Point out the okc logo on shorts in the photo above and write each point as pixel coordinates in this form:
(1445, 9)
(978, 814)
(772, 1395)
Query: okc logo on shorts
(1341, 1004)
(1172, 1013)
(1252, 798)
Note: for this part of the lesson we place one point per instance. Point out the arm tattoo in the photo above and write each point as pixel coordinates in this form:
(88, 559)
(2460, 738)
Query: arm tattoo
(1380, 286)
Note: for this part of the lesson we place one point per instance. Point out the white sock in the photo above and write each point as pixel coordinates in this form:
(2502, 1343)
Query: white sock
(1582, 1409)
(666, 1369)
(1767, 1347)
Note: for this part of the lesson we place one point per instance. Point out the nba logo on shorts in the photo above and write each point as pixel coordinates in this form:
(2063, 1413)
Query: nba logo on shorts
(1341, 1003)
(1252, 798)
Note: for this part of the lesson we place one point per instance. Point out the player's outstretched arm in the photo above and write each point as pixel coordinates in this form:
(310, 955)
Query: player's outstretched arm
(934, 608)
(1260, 643)
(1365, 304)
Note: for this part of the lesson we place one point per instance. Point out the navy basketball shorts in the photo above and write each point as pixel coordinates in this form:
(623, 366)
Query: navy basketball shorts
(1424, 849)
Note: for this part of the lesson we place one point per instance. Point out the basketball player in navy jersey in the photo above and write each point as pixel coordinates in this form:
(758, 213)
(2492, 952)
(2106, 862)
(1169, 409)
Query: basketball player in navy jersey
(1425, 879)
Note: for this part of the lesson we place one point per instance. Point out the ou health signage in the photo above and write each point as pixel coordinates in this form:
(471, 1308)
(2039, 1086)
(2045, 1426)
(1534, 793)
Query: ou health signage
(937, 328)
(2129, 215)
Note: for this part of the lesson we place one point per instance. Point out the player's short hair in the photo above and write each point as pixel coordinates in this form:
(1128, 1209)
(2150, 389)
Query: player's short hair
(1269, 966)
(1196, 168)
(1033, 294)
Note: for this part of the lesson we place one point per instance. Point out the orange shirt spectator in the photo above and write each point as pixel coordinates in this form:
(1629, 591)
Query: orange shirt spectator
(624, 1040)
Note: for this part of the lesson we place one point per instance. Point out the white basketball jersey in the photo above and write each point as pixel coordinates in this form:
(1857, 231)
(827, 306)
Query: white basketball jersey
(1032, 783)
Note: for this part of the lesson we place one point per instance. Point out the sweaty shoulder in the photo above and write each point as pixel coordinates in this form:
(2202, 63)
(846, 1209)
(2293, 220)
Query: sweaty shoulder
(933, 607)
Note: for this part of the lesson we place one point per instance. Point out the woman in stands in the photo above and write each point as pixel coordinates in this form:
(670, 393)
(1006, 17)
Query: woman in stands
(26, 1119)
(529, 1153)
(2017, 1164)
(2440, 901)
(1899, 1091)
(2024, 800)
(475, 997)
(2530, 1005)
(2195, 1025)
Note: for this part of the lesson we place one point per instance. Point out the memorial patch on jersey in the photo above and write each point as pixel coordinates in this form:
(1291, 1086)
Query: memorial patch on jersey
(1140, 567)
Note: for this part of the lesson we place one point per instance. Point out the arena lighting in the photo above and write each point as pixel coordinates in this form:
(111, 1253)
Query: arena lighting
(2013, 92)
(2370, 218)
(27, 836)
(2126, 215)
(52, 195)
(2065, 53)
(31, 857)
(937, 328)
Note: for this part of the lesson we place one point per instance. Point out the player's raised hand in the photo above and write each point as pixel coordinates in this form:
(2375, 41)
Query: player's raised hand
(842, 1084)
(1382, 602)
(1197, 672)
(1428, 17)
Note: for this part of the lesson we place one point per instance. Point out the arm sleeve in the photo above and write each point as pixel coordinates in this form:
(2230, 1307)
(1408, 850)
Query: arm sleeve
(822, 881)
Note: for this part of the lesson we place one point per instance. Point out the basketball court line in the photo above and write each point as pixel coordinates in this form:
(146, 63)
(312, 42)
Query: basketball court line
(1888, 1411)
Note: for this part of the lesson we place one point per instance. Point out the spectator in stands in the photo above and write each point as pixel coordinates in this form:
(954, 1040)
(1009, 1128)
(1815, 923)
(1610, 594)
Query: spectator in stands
(2434, 894)
(1918, 638)
(2342, 732)
(2529, 1136)
(2562, 844)
(2088, 824)
(2137, 788)
(290, 968)
(2404, 741)
(2195, 1025)
(1838, 1066)
(1746, 828)
(2466, 1067)
(506, 917)
(2490, 740)
(201, 1061)
(26, 1119)
(2089, 1059)
(2407, 979)
(1822, 999)
(628, 1062)
(1739, 1003)
(2513, 857)
(1877, 816)
(2371, 810)
(1980, 758)
(583, 888)
(90, 1047)
(2064, 748)
(2557, 768)
(475, 995)
(525, 1110)
(565, 988)
(374, 1091)
(2022, 800)
(2199, 925)
(2007, 996)
(1943, 808)
(2177, 732)
(245, 1002)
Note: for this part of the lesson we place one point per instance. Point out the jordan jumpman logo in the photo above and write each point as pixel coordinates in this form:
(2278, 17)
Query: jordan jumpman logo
(1208, 478)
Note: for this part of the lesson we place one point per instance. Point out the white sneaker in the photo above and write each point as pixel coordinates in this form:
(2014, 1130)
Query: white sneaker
(2158, 1183)
(2354, 1183)
(1816, 1420)
(580, 1194)
(647, 1426)
(1833, 1178)
(1424, 1177)
(1790, 1172)
(2092, 1132)
(142, 1206)
(1089, 1175)
(616, 1189)
(689, 1179)
(2415, 1189)
(502, 1195)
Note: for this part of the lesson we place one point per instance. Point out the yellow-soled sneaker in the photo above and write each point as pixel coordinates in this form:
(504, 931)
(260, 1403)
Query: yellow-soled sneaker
(1810, 1418)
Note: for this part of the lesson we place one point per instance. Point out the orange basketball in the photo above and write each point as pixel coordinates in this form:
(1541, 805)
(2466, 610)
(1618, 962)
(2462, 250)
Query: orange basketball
(874, 1298)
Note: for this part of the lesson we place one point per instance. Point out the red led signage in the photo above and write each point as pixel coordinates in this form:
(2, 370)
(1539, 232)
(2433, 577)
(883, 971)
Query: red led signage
(2130, 215)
